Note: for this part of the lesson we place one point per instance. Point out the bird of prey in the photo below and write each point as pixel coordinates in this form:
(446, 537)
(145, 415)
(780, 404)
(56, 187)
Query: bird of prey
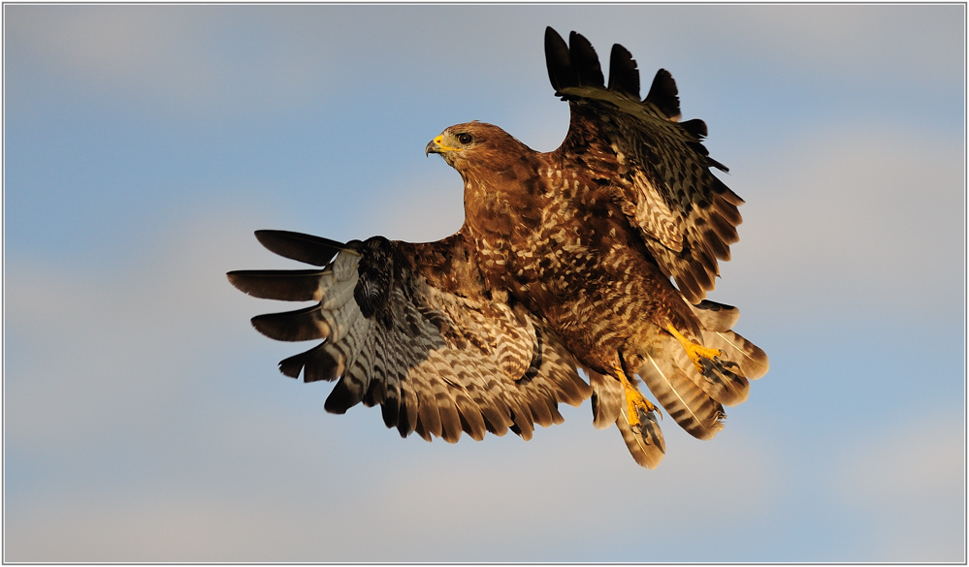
(595, 256)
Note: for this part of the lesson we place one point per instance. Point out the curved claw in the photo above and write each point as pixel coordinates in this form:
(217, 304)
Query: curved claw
(635, 402)
(700, 355)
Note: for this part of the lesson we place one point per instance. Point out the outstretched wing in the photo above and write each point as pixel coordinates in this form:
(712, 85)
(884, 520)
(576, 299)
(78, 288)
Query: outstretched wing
(658, 165)
(410, 327)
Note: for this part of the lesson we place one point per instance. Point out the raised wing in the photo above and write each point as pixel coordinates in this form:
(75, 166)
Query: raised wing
(410, 327)
(659, 166)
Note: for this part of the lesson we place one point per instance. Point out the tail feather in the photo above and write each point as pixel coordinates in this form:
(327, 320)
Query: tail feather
(726, 377)
(695, 397)
(644, 441)
(695, 411)
(751, 358)
(715, 316)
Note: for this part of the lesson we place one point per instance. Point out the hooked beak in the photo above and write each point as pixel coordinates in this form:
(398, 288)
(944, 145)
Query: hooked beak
(437, 146)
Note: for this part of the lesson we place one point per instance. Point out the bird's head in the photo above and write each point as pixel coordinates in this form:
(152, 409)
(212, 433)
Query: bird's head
(463, 146)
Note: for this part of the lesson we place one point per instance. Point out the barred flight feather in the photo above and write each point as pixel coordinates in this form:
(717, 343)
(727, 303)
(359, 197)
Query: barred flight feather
(684, 401)
(751, 359)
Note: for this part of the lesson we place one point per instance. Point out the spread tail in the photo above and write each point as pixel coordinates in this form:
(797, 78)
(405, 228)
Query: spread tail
(695, 393)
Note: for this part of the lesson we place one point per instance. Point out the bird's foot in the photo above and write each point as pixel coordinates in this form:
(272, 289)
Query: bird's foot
(634, 399)
(701, 356)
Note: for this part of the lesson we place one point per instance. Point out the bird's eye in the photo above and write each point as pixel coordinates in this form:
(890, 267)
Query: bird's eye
(464, 138)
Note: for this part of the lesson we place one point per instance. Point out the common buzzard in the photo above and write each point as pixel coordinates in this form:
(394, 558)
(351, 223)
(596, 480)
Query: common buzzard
(566, 260)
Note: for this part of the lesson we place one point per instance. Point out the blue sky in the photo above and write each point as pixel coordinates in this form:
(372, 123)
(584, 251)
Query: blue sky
(144, 419)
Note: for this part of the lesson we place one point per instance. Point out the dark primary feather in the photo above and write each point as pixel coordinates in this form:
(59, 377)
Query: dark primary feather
(300, 247)
(623, 72)
(558, 61)
(316, 364)
(663, 93)
(585, 61)
(285, 285)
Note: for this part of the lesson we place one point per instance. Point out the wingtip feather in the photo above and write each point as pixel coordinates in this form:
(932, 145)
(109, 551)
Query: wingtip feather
(585, 61)
(623, 72)
(284, 285)
(664, 94)
(558, 61)
(301, 247)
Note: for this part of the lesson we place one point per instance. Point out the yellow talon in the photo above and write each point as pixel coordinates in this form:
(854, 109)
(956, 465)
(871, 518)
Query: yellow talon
(694, 351)
(634, 399)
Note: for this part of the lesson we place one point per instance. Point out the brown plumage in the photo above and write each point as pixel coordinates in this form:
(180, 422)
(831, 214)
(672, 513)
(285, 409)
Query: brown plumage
(564, 261)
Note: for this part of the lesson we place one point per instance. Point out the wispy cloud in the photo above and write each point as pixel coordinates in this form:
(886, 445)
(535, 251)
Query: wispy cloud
(212, 56)
(857, 219)
(911, 482)
(101, 345)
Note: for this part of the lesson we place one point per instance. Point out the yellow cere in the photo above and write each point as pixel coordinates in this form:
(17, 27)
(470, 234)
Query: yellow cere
(440, 143)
